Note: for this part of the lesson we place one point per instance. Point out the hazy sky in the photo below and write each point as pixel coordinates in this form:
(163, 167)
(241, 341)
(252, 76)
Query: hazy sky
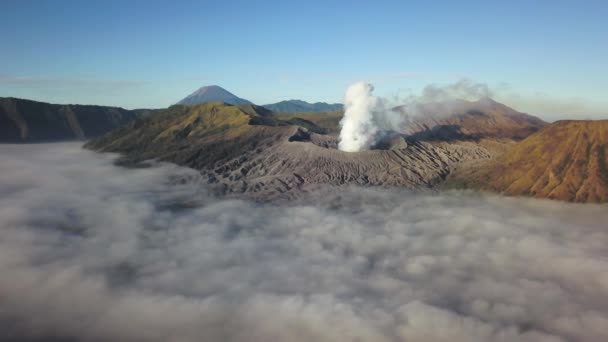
(546, 57)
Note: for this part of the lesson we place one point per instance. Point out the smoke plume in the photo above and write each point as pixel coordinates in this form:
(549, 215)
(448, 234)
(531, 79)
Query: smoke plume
(358, 125)
(463, 89)
(367, 117)
(93, 252)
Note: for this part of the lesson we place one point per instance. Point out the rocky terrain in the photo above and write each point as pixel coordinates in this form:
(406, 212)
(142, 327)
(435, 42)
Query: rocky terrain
(566, 160)
(249, 150)
(300, 160)
(32, 121)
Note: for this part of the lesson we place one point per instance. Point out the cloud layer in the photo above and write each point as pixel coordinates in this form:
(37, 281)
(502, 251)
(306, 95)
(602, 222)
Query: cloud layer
(90, 251)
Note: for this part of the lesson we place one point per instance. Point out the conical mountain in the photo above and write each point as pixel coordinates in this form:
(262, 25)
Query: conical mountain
(212, 93)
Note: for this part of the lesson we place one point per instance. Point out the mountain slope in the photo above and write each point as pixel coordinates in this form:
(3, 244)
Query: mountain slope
(453, 120)
(466, 120)
(567, 160)
(30, 121)
(212, 93)
(330, 121)
(299, 106)
(179, 131)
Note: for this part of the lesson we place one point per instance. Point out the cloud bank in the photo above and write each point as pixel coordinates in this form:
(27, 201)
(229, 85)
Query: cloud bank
(91, 252)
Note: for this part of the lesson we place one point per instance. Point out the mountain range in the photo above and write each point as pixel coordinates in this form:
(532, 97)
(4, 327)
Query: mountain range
(23, 120)
(31, 121)
(247, 150)
(252, 151)
(299, 106)
(215, 93)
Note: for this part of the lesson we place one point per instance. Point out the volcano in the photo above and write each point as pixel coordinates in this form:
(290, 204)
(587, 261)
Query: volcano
(247, 150)
(212, 93)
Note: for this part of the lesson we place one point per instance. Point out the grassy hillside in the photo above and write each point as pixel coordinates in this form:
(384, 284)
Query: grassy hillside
(567, 160)
(194, 135)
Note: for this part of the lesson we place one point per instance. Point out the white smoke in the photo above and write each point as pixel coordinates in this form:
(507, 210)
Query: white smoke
(366, 116)
(463, 89)
(358, 124)
(93, 252)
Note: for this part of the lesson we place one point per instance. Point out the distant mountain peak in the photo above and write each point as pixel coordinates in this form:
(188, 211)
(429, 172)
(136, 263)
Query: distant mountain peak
(209, 88)
(212, 93)
(300, 106)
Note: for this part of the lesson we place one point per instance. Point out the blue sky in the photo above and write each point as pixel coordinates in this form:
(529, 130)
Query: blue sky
(551, 55)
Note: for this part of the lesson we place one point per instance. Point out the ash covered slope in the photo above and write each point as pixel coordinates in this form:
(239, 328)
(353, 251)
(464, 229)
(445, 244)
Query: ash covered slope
(567, 160)
(31, 121)
(245, 149)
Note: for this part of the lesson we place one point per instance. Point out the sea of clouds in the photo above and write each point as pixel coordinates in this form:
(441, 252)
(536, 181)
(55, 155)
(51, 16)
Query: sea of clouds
(93, 252)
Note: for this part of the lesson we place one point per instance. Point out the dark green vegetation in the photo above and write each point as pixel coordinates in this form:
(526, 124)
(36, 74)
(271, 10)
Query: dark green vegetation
(299, 106)
(31, 121)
